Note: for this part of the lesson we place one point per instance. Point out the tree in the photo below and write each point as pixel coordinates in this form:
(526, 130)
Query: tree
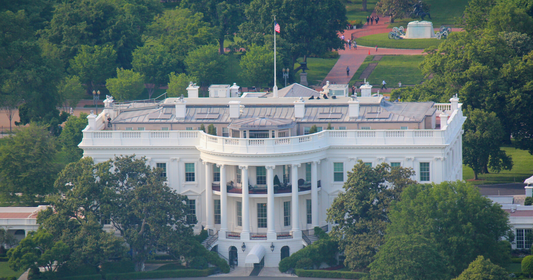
(483, 269)
(361, 211)
(7, 239)
(224, 16)
(211, 129)
(296, 19)
(27, 165)
(178, 84)
(481, 143)
(145, 211)
(408, 257)
(313, 129)
(527, 265)
(71, 136)
(94, 64)
(126, 86)
(206, 64)
(395, 8)
(155, 63)
(257, 66)
(456, 218)
(476, 14)
(70, 92)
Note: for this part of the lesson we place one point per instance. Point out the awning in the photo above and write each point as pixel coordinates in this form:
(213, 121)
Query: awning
(256, 254)
(529, 181)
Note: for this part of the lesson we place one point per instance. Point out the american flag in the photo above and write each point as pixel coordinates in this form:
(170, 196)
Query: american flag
(276, 27)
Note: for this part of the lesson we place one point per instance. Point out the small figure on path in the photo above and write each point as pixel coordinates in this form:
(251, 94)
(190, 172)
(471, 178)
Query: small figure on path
(383, 85)
(354, 44)
(376, 48)
(349, 44)
(367, 20)
(353, 89)
(371, 20)
(377, 19)
(347, 70)
(342, 37)
(400, 84)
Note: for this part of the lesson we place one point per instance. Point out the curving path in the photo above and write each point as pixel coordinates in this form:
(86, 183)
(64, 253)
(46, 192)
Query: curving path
(353, 58)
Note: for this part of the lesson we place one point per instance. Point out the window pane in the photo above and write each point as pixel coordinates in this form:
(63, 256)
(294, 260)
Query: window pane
(308, 172)
(189, 172)
(395, 164)
(527, 238)
(191, 216)
(216, 173)
(261, 215)
(163, 166)
(217, 211)
(424, 171)
(261, 175)
(309, 209)
(338, 167)
(287, 213)
(520, 239)
(239, 213)
(338, 171)
(369, 164)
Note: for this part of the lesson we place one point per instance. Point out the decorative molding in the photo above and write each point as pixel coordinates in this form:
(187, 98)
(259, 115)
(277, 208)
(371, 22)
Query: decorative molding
(243, 167)
(440, 158)
(409, 158)
(352, 159)
(270, 167)
(296, 164)
(221, 165)
(176, 159)
(381, 158)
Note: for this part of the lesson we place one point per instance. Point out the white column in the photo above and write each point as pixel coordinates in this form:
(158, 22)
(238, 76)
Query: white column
(223, 203)
(209, 207)
(314, 194)
(245, 234)
(296, 232)
(271, 230)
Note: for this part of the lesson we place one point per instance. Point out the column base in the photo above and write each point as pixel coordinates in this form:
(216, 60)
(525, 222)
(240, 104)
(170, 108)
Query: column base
(296, 234)
(245, 236)
(271, 236)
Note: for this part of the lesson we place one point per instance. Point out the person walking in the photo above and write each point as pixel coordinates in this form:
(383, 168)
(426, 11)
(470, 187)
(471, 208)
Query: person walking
(376, 48)
(377, 19)
(349, 44)
(354, 44)
(371, 20)
(347, 70)
(367, 20)
(383, 85)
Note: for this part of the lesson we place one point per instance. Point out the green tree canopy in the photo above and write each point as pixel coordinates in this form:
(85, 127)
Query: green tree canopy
(361, 212)
(454, 216)
(483, 269)
(94, 64)
(27, 165)
(258, 66)
(206, 64)
(71, 136)
(127, 85)
(178, 84)
(408, 257)
(395, 8)
(481, 143)
(70, 92)
(527, 265)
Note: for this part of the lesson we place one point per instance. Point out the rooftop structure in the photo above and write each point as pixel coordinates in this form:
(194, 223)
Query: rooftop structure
(262, 182)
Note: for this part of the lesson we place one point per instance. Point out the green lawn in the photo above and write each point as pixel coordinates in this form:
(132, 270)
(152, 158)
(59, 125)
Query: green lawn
(354, 9)
(5, 271)
(392, 69)
(513, 267)
(318, 69)
(382, 40)
(522, 169)
(442, 13)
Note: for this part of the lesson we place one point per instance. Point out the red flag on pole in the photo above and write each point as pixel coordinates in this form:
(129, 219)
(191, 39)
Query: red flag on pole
(276, 27)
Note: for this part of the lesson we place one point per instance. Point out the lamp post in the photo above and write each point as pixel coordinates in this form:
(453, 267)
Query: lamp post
(285, 74)
(96, 97)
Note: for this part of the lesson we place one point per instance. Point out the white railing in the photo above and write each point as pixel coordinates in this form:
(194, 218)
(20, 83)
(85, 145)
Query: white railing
(316, 141)
(443, 107)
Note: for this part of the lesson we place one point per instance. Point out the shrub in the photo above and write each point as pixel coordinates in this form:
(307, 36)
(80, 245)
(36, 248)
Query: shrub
(528, 201)
(214, 259)
(332, 54)
(11, 278)
(305, 263)
(320, 233)
(323, 250)
(171, 266)
(4, 259)
(84, 277)
(330, 274)
(159, 274)
(79, 270)
(123, 266)
(202, 236)
(198, 263)
(527, 265)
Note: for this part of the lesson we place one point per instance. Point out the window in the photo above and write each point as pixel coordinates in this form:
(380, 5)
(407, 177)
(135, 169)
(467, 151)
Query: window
(286, 174)
(318, 128)
(523, 238)
(164, 128)
(140, 128)
(217, 211)
(225, 132)
(189, 172)
(395, 164)
(261, 215)
(129, 128)
(261, 175)
(404, 128)
(308, 172)
(216, 173)
(239, 213)
(282, 134)
(235, 134)
(163, 166)
(424, 171)
(273, 134)
(239, 175)
(188, 128)
(342, 128)
(338, 171)
(258, 134)
(191, 215)
(308, 207)
(365, 127)
(244, 134)
(369, 164)
(306, 130)
(287, 213)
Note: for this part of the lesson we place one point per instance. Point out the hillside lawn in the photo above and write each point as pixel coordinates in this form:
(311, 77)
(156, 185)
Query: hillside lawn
(393, 69)
(382, 41)
(318, 70)
(5, 271)
(354, 9)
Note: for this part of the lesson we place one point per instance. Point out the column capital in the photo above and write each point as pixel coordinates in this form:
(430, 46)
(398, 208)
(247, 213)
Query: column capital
(296, 165)
(316, 161)
(220, 165)
(381, 158)
(440, 158)
(270, 167)
(243, 167)
(206, 163)
(409, 158)
(352, 159)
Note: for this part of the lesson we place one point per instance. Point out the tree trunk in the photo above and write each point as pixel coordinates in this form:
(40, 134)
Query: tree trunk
(475, 175)
(150, 88)
(364, 5)
(221, 45)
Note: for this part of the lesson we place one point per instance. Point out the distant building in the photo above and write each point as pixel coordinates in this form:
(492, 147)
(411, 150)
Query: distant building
(19, 221)
(262, 183)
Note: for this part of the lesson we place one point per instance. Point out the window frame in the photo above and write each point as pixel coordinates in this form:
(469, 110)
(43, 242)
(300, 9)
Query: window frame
(260, 178)
(191, 213)
(286, 213)
(162, 165)
(190, 176)
(338, 174)
(216, 175)
(425, 172)
(239, 213)
(309, 210)
(262, 215)
(217, 212)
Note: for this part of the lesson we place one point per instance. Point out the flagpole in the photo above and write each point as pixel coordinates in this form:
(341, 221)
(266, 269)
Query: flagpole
(275, 88)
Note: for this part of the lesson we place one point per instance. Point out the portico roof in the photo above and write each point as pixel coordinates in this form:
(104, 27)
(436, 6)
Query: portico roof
(261, 123)
(256, 254)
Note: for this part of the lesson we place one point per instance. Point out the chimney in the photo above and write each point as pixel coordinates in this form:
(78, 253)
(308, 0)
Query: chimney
(234, 109)
(192, 90)
(529, 192)
(455, 102)
(299, 108)
(92, 121)
(234, 90)
(353, 109)
(443, 121)
(181, 108)
(366, 90)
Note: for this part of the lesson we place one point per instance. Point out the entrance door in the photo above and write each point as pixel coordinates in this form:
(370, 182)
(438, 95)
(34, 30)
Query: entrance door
(233, 257)
(285, 252)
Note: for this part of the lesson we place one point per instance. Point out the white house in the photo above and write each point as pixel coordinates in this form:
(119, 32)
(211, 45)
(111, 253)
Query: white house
(262, 183)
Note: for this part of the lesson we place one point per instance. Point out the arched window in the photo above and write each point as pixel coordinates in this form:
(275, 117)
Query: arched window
(285, 252)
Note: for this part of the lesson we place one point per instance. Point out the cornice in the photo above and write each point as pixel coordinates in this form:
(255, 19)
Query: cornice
(288, 154)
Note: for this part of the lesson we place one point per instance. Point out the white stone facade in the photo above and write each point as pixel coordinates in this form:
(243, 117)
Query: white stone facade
(213, 170)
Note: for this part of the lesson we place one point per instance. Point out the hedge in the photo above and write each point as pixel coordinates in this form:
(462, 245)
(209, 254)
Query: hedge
(84, 277)
(123, 266)
(4, 259)
(330, 274)
(159, 274)
(516, 260)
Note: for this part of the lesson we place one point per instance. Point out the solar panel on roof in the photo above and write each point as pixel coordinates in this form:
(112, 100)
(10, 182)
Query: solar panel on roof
(330, 115)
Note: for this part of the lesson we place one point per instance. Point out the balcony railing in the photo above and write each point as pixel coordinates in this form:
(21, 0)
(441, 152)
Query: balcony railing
(285, 188)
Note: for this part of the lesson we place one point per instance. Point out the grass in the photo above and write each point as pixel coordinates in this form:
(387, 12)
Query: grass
(522, 169)
(392, 69)
(382, 41)
(442, 13)
(354, 9)
(513, 267)
(171, 266)
(318, 69)
(5, 271)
